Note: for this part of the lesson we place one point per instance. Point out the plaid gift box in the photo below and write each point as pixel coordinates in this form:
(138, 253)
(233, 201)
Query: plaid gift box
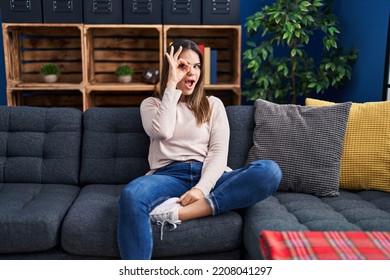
(325, 245)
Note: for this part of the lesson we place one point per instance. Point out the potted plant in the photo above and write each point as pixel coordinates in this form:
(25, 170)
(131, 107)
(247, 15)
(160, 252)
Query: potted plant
(124, 73)
(279, 64)
(50, 72)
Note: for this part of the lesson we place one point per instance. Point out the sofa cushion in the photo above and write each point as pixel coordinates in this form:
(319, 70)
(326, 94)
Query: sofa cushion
(115, 146)
(39, 145)
(306, 142)
(241, 124)
(90, 228)
(31, 215)
(365, 161)
(285, 211)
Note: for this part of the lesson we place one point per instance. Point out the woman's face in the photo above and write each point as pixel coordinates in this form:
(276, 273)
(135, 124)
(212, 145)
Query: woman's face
(189, 81)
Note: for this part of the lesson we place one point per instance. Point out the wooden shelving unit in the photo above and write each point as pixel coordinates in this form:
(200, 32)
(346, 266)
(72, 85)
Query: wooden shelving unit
(89, 54)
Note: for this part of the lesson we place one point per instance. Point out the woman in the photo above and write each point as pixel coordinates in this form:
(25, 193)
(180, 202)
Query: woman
(189, 177)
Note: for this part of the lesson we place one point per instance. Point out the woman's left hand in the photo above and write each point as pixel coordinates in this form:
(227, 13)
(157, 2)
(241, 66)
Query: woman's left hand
(190, 197)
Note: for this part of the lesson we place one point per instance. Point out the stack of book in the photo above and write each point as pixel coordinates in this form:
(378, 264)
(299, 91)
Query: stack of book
(210, 60)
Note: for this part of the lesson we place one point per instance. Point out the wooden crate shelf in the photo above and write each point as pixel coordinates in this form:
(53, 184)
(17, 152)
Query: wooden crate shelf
(88, 56)
(108, 46)
(28, 46)
(226, 39)
(46, 97)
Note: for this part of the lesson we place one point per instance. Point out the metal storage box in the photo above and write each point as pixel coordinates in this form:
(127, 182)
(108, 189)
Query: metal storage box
(21, 11)
(221, 12)
(62, 11)
(103, 11)
(182, 12)
(142, 11)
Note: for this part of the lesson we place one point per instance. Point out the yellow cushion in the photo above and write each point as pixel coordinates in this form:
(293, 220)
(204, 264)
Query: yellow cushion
(365, 161)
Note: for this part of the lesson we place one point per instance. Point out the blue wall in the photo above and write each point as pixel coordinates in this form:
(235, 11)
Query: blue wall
(364, 25)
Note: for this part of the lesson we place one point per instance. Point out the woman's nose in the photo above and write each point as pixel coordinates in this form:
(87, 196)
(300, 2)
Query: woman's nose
(191, 69)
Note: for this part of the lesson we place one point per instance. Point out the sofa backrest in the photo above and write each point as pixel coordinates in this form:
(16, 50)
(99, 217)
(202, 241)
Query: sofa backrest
(40, 145)
(242, 123)
(115, 146)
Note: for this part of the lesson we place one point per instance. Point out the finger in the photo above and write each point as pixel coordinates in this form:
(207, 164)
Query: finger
(183, 65)
(182, 61)
(171, 51)
(184, 200)
(168, 57)
(176, 56)
(181, 198)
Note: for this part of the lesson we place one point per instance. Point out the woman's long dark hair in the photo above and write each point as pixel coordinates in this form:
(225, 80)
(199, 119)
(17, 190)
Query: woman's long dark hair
(197, 101)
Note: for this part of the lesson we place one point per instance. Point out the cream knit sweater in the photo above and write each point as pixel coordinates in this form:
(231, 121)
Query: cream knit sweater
(175, 136)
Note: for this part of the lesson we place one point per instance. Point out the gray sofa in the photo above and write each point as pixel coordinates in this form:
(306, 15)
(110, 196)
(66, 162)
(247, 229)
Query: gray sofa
(62, 171)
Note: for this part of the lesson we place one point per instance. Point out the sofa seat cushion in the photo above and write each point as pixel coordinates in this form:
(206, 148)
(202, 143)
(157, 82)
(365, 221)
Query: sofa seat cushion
(31, 215)
(90, 228)
(351, 211)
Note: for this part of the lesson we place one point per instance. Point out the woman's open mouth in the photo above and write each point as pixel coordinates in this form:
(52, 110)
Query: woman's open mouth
(189, 83)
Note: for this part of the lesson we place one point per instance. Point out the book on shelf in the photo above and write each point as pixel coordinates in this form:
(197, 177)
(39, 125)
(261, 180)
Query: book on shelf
(210, 66)
(201, 48)
(207, 61)
(213, 66)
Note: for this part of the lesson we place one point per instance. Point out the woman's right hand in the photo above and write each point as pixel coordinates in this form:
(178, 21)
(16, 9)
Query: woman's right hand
(178, 67)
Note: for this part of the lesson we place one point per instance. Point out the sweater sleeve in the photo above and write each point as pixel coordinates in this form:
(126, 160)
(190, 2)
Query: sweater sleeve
(159, 117)
(215, 162)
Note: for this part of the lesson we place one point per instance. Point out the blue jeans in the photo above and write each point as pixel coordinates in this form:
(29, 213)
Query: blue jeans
(239, 188)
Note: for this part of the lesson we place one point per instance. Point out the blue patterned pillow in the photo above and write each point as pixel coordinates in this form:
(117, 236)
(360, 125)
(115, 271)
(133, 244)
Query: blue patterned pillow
(305, 141)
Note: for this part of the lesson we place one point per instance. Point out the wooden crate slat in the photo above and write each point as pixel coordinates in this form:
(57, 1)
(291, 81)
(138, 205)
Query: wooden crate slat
(63, 78)
(66, 67)
(49, 31)
(125, 55)
(51, 43)
(139, 67)
(144, 32)
(51, 55)
(214, 43)
(126, 43)
(112, 78)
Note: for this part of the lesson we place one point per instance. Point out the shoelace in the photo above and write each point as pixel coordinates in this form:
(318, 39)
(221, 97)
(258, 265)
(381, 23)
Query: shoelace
(159, 223)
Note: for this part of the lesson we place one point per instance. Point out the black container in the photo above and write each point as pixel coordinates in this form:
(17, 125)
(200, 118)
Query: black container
(142, 11)
(221, 12)
(21, 11)
(103, 11)
(182, 12)
(62, 11)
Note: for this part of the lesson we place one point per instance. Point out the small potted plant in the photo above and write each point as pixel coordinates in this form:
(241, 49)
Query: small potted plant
(50, 72)
(124, 73)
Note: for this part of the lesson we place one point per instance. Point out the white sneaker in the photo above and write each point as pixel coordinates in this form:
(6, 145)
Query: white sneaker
(166, 212)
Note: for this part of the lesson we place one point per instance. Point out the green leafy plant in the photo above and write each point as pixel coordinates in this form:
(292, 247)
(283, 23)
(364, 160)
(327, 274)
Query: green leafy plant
(279, 64)
(124, 70)
(49, 69)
